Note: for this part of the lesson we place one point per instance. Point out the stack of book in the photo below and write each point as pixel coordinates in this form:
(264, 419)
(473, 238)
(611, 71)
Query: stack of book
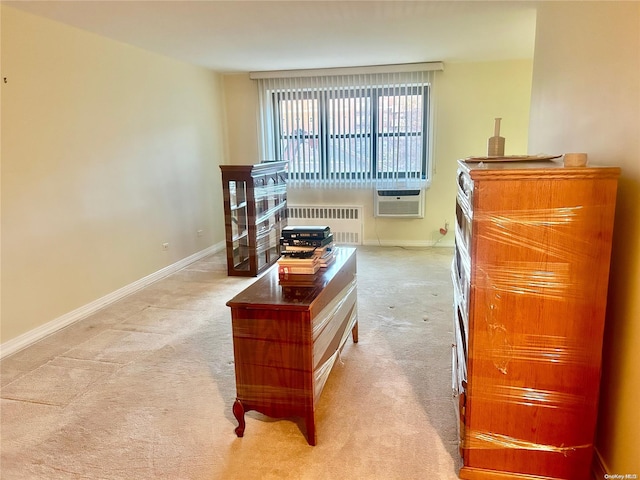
(305, 250)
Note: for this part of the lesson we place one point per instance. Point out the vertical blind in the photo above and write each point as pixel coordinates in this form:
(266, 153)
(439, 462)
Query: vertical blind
(349, 129)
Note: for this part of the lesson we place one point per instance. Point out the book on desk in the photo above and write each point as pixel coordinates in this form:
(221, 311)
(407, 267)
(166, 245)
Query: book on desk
(304, 251)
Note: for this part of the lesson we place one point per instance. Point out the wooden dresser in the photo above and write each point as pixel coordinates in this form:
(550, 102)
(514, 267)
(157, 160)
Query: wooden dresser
(287, 338)
(530, 273)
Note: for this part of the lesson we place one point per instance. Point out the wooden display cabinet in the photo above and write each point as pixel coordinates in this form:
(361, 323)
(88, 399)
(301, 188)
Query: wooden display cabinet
(255, 206)
(530, 273)
(286, 340)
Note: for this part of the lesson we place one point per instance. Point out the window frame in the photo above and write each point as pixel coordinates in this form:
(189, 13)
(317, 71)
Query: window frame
(351, 155)
(324, 136)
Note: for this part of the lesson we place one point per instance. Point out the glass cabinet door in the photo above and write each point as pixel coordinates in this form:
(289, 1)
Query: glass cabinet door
(239, 224)
(267, 237)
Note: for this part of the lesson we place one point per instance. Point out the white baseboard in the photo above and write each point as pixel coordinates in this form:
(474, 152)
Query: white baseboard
(416, 244)
(28, 338)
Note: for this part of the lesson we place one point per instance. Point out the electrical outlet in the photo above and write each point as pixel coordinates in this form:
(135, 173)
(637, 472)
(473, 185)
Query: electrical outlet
(199, 233)
(165, 246)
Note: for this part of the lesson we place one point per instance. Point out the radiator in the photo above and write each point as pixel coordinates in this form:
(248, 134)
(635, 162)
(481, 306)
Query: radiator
(345, 222)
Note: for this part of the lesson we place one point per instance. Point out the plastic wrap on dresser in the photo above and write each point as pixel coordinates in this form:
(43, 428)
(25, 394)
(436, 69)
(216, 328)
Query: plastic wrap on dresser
(530, 278)
(286, 339)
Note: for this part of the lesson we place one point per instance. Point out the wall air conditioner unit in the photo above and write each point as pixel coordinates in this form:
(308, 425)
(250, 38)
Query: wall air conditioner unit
(399, 203)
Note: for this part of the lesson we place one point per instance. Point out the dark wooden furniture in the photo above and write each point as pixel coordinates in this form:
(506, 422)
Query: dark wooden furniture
(255, 201)
(531, 268)
(286, 340)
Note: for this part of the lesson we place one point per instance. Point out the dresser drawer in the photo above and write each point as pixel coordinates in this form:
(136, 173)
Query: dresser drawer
(463, 226)
(332, 326)
(460, 272)
(465, 192)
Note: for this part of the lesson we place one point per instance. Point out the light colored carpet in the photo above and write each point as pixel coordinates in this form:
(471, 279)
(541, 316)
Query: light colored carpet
(144, 388)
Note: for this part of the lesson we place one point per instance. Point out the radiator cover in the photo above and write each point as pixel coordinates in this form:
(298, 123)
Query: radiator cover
(345, 221)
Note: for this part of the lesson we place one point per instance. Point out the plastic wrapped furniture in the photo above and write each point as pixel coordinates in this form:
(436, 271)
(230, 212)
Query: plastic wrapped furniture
(530, 274)
(286, 340)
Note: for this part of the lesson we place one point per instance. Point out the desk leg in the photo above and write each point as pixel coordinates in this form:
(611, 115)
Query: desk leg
(354, 332)
(238, 412)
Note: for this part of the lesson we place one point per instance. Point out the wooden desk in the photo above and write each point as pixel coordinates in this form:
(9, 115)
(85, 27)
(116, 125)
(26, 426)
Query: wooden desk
(287, 338)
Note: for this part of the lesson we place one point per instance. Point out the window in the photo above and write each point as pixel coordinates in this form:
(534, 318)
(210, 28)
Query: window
(350, 130)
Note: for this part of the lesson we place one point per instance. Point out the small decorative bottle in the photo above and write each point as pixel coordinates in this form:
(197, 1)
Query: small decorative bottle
(496, 143)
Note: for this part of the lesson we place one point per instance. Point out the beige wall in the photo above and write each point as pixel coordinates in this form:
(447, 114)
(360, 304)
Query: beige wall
(586, 97)
(241, 101)
(107, 153)
(468, 98)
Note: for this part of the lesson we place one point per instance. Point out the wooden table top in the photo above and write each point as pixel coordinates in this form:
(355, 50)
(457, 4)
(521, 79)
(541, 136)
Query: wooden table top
(267, 291)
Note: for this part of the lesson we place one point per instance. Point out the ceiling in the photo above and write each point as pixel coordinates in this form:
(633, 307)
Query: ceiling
(241, 35)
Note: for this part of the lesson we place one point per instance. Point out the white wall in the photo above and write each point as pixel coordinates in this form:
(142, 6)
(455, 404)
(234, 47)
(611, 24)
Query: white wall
(468, 98)
(107, 153)
(586, 97)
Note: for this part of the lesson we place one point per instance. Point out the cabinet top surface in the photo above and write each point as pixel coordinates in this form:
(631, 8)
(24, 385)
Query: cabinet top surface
(523, 169)
(267, 290)
(256, 169)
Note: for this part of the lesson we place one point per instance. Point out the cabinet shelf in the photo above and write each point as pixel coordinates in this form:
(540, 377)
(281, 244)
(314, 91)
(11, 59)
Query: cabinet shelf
(233, 208)
(265, 216)
(240, 236)
(255, 199)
